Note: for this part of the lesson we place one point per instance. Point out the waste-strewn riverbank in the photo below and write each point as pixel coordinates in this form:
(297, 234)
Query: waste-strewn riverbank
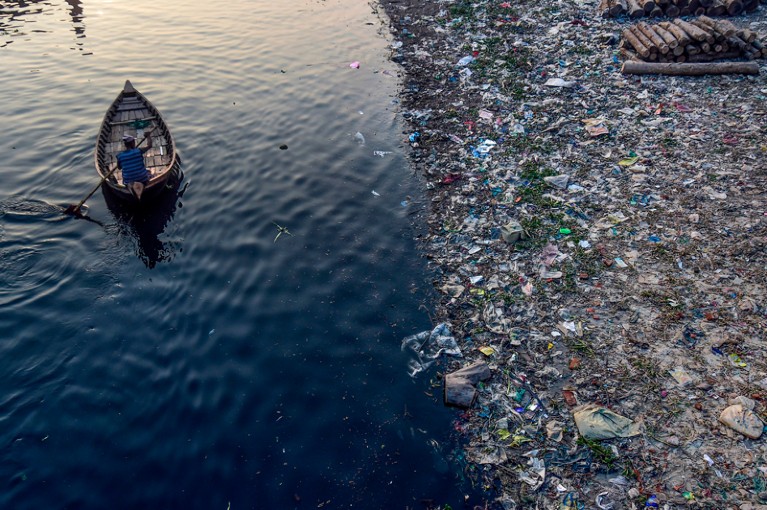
(599, 242)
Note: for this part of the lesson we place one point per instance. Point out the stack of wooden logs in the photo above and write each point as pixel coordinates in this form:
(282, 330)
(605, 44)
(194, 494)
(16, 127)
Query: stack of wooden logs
(674, 8)
(699, 40)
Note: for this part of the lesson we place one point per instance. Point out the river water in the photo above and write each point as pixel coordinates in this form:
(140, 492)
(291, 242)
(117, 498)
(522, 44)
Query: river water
(184, 357)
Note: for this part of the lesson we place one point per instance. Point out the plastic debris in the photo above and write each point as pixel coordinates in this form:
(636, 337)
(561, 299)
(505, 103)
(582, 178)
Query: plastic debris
(595, 422)
(460, 385)
(427, 346)
(614, 219)
(743, 420)
(559, 82)
(535, 474)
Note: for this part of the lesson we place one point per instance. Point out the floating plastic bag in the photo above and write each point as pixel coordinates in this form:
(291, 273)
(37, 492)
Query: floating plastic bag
(427, 346)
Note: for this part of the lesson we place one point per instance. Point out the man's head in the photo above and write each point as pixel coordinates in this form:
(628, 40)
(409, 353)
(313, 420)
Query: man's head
(129, 141)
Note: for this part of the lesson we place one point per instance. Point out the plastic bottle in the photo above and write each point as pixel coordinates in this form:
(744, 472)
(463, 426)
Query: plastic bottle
(652, 502)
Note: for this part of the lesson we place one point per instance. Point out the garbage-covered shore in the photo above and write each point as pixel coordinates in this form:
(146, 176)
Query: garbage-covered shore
(598, 242)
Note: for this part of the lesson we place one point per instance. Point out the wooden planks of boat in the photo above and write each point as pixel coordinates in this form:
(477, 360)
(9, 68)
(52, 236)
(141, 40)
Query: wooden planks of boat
(132, 114)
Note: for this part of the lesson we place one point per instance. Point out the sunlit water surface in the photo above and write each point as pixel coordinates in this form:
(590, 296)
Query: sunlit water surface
(185, 358)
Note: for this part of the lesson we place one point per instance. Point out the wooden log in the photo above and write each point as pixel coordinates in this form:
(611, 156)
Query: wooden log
(684, 11)
(633, 9)
(713, 57)
(667, 36)
(672, 11)
(679, 50)
(694, 4)
(643, 39)
(736, 42)
(636, 43)
(705, 47)
(690, 69)
(629, 55)
(712, 35)
(717, 8)
(617, 8)
(681, 3)
(722, 26)
(657, 12)
(726, 27)
(604, 8)
(751, 5)
(692, 49)
(681, 58)
(734, 7)
(647, 5)
(653, 57)
(700, 11)
(693, 31)
(706, 3)
(679, 34)
(747, 35)
(657, 40)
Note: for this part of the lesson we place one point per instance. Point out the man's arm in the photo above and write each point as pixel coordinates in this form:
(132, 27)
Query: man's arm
(148, 141)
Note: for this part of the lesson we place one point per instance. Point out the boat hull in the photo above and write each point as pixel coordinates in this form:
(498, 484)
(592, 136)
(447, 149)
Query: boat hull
(133, 114)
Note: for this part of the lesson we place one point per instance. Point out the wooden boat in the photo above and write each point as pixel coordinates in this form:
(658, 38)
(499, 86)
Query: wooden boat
(132, 114)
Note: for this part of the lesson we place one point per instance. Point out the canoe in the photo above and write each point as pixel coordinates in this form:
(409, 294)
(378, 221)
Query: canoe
(132, 114)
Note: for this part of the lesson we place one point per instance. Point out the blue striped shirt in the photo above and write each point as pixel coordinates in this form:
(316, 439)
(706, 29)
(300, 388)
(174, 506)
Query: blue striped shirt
(132, 164)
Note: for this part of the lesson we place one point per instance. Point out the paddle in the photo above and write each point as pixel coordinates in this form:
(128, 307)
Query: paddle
(74, 210)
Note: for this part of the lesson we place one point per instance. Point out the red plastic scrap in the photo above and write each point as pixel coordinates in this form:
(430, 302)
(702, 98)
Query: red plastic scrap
(451, 178)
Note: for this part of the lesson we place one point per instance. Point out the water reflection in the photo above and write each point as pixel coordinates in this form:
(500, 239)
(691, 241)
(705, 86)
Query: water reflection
(15, 15)
(147, 223)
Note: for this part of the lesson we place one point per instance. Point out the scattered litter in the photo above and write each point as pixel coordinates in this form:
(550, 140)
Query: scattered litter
(605, 234)
(535, 474)
(559, 82)
(681, 376)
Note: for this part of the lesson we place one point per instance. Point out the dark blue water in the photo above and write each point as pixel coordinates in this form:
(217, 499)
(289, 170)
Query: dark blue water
(181, 357)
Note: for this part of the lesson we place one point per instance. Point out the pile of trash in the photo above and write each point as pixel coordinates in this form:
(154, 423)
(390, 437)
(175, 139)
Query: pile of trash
(599, 245)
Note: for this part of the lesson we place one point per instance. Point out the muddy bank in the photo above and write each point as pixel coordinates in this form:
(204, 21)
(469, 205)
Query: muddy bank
(599, 242)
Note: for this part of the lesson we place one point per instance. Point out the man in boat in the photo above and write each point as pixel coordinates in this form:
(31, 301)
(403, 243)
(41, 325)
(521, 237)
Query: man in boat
(131, 162)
